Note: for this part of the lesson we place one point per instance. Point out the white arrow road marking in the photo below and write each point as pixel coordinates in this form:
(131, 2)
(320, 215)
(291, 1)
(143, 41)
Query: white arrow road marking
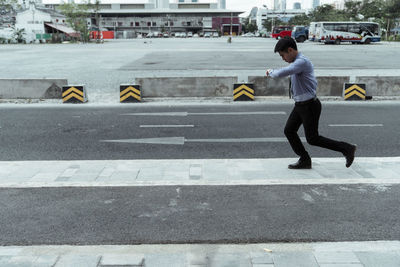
(166, 126)
(184, 114)
(182, 140)
(356, 125)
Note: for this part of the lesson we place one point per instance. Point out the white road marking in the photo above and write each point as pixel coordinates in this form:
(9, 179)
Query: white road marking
(180, 114)
(184, 114)
(355, 125)
(166, 126)
(182, 140)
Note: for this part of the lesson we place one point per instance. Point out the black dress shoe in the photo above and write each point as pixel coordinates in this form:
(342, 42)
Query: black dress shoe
(349, 155)
(301, 164)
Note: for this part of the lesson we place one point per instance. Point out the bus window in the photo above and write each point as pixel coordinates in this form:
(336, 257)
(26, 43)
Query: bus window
(372, 27)
(341, 27)
(355, 28)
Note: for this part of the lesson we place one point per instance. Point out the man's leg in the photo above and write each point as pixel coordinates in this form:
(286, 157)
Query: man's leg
(292, 126)
(310, 115)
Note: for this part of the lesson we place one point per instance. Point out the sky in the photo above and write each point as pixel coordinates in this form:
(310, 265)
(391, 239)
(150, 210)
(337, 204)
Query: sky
(247, 5)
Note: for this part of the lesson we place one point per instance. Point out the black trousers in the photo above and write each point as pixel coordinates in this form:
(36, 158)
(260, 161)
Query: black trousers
(308, 114)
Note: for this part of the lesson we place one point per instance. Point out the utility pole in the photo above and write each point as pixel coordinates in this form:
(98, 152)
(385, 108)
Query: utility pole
(231, 22)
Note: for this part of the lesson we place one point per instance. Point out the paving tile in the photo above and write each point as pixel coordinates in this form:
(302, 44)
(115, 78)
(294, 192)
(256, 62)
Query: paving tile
(171, 260)
(121, 259)
(336, 257)
(196, 259)
(342, 265)
(78, 261)
(45, 260)
(28, 261)
(10, 251)
(229, 260)
(298, 259)
(261, 258)
(379, 259)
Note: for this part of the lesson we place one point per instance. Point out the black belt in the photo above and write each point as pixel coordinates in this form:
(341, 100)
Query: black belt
(301, 103)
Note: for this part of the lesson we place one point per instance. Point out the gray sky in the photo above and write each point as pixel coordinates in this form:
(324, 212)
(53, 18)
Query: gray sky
(247, 5)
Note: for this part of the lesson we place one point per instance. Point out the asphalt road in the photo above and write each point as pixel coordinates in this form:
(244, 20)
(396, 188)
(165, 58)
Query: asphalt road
(187, 132)
(199, 214)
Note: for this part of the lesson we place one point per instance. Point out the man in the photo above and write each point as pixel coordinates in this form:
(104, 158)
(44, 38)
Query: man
(307, 109)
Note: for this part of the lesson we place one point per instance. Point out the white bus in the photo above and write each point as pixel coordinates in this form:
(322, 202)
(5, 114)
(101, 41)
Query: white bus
(311, 31)
(349, 31)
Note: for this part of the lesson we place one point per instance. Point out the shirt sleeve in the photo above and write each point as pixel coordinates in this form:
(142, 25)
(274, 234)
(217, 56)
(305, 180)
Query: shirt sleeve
(294, 68)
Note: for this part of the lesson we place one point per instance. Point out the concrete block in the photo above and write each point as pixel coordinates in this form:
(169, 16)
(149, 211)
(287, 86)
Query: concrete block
(331, 85)
(187, 86)
(31, 88)
(266, 86)
(381, 85)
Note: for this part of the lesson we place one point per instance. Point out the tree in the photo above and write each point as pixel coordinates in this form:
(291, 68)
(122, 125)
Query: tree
(300, 20)
(353, 9)
(270, 23)
(77, 16)
(9, 5)
(327, 13)
(249, 26)
(19, 35)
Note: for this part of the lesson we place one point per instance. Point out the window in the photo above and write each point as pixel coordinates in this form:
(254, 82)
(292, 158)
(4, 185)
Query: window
(329, 26)
(341, 27)
(149, 24)
(131, 24)
(119, 24)
(137, 24)
(354, 28)
(154, 24)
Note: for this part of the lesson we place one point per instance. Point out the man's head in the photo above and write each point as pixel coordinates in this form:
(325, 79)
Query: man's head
(287, 49)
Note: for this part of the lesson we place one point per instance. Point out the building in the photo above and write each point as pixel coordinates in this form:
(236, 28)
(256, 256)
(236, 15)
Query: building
(297, 5)
(316, 3)
(128, 19)
(38, 23)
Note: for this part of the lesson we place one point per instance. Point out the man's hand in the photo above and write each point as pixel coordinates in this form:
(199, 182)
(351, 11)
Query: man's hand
(268, 73)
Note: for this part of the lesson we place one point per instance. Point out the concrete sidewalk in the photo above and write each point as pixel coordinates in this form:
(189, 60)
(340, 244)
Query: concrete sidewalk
(341, 254)
(196, 172)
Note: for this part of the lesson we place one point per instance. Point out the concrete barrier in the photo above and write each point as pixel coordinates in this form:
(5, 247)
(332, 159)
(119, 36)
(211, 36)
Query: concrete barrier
(381, 85)
(331, 85)
(31, 88)
(187, 86)
(327, 85)
(266, 86)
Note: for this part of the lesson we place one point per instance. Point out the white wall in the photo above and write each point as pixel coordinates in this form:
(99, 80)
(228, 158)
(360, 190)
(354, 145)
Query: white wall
(32, 20)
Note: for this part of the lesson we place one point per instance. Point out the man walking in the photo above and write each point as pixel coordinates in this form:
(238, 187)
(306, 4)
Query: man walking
(307, 109)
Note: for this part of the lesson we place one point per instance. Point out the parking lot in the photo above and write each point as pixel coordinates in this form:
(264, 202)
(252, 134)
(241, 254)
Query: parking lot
(102, 67)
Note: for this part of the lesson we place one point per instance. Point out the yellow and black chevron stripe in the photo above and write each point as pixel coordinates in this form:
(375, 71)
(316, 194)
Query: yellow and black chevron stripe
(74, 94)
(353, 91)
(130, 93)
(243, 92)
